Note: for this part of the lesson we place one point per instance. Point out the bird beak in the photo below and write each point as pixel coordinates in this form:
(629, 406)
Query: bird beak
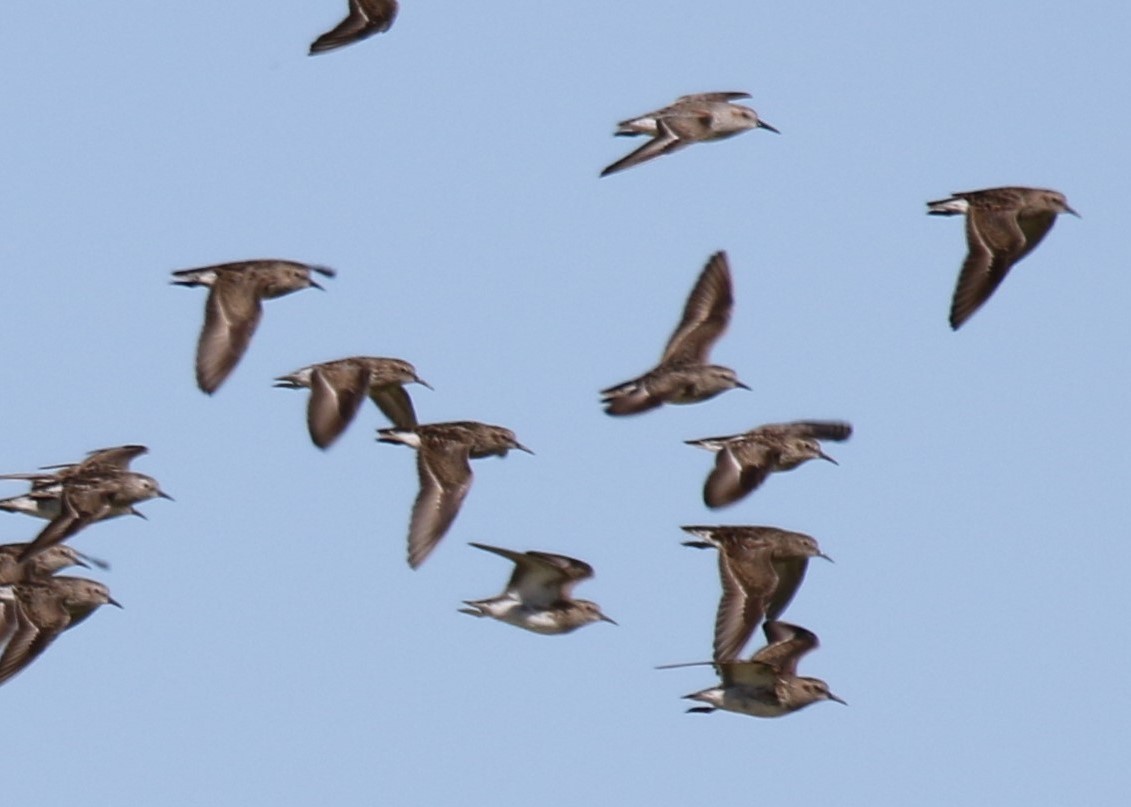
(115, 603)
(826, 557)
(606, 619)
(1068, 209)
(424, 383)
(165, 495)
(825, 456)
(314, 283)
(286, 381)
(833, 697)
(740, 385)
(763, 125)
(521, 447)
(135, 512)
(99, 562)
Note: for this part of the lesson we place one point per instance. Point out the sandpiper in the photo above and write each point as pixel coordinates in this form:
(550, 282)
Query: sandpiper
(743, 461)
(45, 564)
(234, 308)
(760, 569)
(768, 684)
(683, 375)
(337, 389)
(537, 595)
(34, 613)
(443, 451)
(365, 18)
(691, 119)
(93, 497)
(44, 500)
(1003, 225)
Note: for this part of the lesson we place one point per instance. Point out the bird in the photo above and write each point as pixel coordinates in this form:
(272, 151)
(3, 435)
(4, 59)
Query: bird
(45, 564)
(696, 118)
(337, 389)
(443, 451)
(743, 461)
(92, 497)
(768, 684)
(365, 18)
(1003, 225)
(760, 569)
(34, 613)
(234, 308)
(537, 596)
(683, 375)
(44, 500)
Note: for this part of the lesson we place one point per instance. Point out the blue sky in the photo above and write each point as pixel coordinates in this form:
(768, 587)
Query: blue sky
(275, 647)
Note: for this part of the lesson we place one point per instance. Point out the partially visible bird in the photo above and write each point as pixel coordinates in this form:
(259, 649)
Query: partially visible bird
(443, 451)
(44, 500)
(45, 564)
(743, 461)
(760, 569)
(337, 389)
(1003, 225)
(34, 613)
(697, 118)
(365, 18)
(537, 596)
(683, 375)
(234, 308)
(768, 684)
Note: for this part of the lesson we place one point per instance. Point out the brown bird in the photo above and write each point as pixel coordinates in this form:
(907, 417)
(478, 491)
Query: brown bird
(768, 684)
(234, 308)
(443, 451)
(1003, 225)
(93, 497)
(760, 569)
(683, 375)
(743, 461)
(337, 389)
(697, 118)
(537, 596)
(45, 564)
(365, 18)
(44, 500)
(34, 613)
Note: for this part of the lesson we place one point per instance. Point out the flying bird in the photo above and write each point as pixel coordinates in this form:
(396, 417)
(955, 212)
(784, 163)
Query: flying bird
(34, 613)
(768, 684)
(683, 375)
(443, 451)
(337, 389)
(743, 461)
(697, 118)
(537, 596)
(760, 569)
(234, 308)
(365, 18)
(1003, 225)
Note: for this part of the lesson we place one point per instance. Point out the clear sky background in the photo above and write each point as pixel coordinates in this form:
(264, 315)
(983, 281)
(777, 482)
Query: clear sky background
(276, 649)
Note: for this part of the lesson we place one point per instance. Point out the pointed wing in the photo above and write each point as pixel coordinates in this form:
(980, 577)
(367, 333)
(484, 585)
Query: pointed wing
(705, 316)
(837, 430)
(665, 141)
(709, 97)
(395, 403)
(445, 479)
(748, 579)
(231, 316)
(336, 392)
(790, 573)
(28, 641)
(365, 18)
(740, 467)
(994, 242)
(786, 644)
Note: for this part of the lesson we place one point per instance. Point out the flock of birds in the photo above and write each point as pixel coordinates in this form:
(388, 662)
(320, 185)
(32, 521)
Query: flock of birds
(760, 567)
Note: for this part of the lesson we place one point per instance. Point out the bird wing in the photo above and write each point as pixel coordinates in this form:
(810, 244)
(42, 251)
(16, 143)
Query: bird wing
(705, 316)
(445, 479)
(231, 316)
(336, 392)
